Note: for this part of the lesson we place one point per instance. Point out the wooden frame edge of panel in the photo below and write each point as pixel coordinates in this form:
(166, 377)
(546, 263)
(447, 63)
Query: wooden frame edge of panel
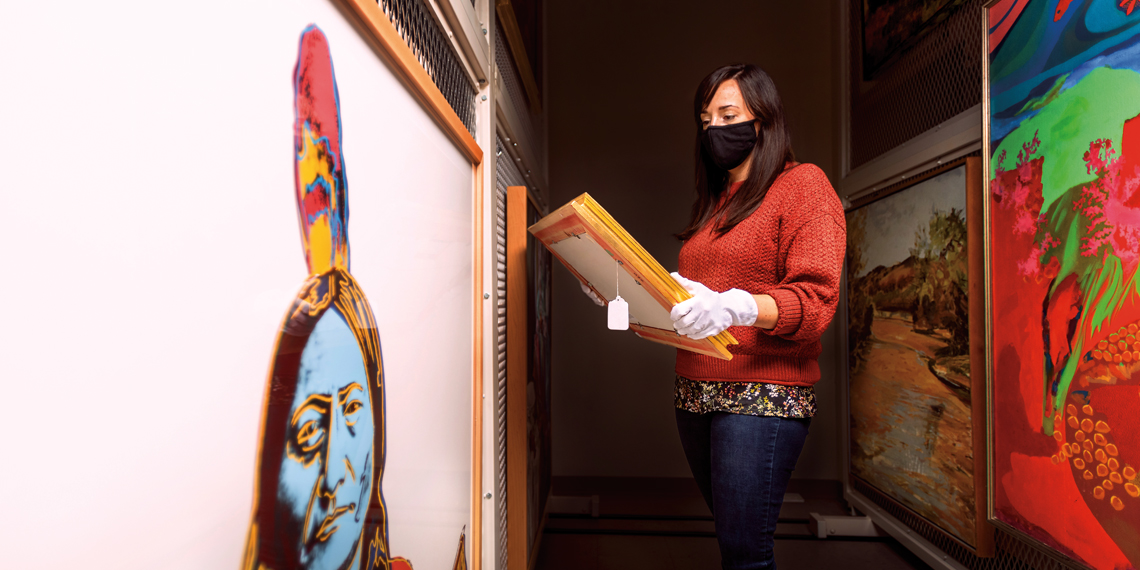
(506, 13)
(477, 387)
(395, 51)
(517, 350)
(404, 62)
(983, 532)
(979, 346)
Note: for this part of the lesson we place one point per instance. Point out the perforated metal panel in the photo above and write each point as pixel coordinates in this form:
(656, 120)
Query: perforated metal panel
(430, 44)
(1011, 553)
(940, 77)
(506, 174)
(515, 93)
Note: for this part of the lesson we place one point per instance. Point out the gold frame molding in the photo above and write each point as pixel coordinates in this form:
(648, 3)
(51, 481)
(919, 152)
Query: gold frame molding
(386, 40)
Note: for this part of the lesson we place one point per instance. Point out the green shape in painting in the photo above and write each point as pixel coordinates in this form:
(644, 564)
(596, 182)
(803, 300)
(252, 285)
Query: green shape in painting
(1095, 108)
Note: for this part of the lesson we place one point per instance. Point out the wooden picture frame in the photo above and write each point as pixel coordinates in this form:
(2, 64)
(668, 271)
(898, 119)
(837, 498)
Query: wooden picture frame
(526, 518)
(889, 334)
(593, 246)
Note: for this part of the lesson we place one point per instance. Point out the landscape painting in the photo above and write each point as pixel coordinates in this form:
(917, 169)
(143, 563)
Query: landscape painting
(1063, 143)
(912, 376)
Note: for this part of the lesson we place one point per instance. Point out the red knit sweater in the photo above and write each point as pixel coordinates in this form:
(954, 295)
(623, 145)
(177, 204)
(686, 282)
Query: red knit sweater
(791, 248)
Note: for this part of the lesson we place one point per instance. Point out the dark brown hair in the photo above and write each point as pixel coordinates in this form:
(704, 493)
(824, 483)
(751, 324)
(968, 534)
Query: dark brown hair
(772, 152)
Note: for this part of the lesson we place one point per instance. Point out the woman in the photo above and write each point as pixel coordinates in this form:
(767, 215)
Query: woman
(762, 257)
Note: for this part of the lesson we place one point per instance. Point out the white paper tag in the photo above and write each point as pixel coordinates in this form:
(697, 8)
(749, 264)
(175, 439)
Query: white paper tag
(619, 314)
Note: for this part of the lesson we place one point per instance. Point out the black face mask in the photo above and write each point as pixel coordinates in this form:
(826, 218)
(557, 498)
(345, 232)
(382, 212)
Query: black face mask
(729, 145)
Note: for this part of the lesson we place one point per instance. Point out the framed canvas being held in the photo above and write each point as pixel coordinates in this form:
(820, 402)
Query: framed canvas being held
(916, 348)
(1062, 145)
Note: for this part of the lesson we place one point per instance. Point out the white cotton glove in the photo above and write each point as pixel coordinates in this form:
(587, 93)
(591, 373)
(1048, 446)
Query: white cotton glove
(708, 312)
(593, 296)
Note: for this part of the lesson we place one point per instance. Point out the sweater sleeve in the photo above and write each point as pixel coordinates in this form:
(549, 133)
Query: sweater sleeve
(808, 294)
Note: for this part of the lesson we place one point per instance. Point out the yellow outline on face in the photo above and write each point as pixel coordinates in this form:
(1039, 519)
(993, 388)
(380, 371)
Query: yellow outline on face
(343, 394)
(320, 404)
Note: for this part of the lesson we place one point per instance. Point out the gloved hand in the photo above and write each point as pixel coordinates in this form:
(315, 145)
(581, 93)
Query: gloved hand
(708, 312)
(593, 296)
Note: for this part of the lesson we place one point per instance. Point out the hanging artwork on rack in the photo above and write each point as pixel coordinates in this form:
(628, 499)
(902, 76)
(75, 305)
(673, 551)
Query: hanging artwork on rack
(318, 500)
(1062, 141)
(539, 442)
(890, 27)
(916, 351)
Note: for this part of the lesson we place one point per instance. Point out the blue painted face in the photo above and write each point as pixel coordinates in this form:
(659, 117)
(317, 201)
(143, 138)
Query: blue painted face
(326, 471)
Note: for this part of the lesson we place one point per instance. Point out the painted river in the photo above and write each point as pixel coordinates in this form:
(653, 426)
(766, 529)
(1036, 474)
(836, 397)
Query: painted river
(911, 433)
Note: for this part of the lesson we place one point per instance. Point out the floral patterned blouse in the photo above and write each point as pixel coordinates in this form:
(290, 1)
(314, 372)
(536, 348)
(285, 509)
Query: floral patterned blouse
(749, 398)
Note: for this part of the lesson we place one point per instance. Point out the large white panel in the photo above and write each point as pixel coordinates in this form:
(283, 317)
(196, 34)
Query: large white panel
(151, 249)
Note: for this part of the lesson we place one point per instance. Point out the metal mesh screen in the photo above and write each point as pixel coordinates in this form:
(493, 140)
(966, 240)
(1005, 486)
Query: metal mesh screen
(430, 44)
(506, 174)
(515, 93)
(940, 77)
(1010, 552)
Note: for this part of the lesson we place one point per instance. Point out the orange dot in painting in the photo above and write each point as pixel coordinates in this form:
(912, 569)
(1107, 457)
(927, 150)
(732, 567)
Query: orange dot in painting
(1127, 357)
(1079, 463)
(1115, 478)
(1113, 464)
(1113, 338)
(1102, 470)
(1099, 439)
(1116, 503)
(1088, 446)
(1136, 351)
(1111, 349)
(1088, 475)
(1107, 485)
(1102, 344)
(1098, 492)
(1101, 456)
(1057, 435)
(1117, 358)
(1102, 427)
(1087, 409)
(1076, 448)
(1074, 422)
(1132, 490)
(1132, 328)
(1065, 451)
(1088, 456)
(1128, 472)
(1080, 435)
(1122, 345)
(1071, 409)
(1130, 338)
(1097, 354)
(1111, 449)
(1087, 425)
(1055, 459)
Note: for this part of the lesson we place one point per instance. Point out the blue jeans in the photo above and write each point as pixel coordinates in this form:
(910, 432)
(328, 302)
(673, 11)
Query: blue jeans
(742, 465)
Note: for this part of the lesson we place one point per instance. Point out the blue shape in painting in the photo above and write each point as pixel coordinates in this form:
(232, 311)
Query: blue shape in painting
(327, 465)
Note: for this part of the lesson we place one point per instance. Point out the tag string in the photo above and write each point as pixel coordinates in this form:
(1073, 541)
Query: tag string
(617, 275)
